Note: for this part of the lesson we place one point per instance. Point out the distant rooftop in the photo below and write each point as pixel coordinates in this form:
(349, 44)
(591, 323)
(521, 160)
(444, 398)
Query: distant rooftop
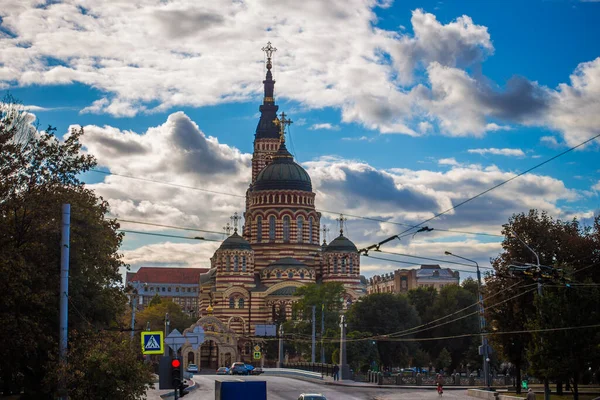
(167, 275)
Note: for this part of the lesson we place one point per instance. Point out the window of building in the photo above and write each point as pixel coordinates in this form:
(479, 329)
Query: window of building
(335, 265)
(299, 228)
(343, 265)
(259, 229)
(152, 288)
(278, 274)
(272, 228)
(241, 303)
(301, 275)
(290, 275)
(310, 230)
(189, 290)
(236, 261)
(163, 289)
(177, 289)
(231, 302)
(194, 290)
(286, 228)
(228, 263)
(350, 265)
(243, 263)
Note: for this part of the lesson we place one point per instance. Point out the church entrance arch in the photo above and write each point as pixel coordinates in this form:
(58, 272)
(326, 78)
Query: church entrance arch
(219, 348)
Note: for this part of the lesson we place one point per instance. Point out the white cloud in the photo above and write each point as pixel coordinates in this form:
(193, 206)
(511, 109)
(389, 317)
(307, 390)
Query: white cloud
(448, 161)
(325, 126)
(550, 141)
(425, 127)
(596, 186)
(359, 139)
(493, 127)
(499, 152)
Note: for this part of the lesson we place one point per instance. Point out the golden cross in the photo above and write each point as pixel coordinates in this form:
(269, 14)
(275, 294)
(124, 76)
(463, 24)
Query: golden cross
(341, 220)
(234, 219)
(281, 123)
(325, 230)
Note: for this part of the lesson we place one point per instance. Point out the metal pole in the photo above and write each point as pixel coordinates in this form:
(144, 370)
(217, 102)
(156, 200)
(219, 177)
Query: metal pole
(312, 355)
(133, 308)
(280, 360)
(167, 331)
(322, 333)
(64, 291)
(344, 368)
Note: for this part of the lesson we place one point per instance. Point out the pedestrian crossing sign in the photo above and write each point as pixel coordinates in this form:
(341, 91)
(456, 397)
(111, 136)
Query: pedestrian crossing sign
(152, 342)
(257, 355)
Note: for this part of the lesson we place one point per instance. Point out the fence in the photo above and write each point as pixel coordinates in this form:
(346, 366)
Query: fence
(323, 369)
(424, 380)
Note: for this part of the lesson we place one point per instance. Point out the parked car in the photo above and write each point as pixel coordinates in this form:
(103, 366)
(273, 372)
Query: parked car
(223, 371)
(252, 370)
(238, 368)
(192, 368)
(311, 396)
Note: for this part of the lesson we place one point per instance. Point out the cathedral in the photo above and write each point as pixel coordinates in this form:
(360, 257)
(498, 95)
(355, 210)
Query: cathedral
(255, 272)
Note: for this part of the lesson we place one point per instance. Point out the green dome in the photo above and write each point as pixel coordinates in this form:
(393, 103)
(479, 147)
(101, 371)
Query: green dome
(341, 244)
(235, 242)
(283, 173)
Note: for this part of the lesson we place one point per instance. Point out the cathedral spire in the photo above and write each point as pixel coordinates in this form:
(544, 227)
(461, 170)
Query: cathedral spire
(266, 129)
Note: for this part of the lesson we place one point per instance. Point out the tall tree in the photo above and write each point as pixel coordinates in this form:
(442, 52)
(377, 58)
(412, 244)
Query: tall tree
(37, 178)
(382, 314)
(557, 243)
(154, 315)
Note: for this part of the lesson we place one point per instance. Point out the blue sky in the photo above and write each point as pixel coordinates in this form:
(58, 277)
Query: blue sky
(424, 103)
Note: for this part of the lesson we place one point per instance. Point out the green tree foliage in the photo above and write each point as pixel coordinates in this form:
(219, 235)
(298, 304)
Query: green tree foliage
(558, 243)
(384, 313)
(155, 315)
(361, 353)
(562, 355)
(103, 365)
(38, 175)
(444, 360)
(155, 300)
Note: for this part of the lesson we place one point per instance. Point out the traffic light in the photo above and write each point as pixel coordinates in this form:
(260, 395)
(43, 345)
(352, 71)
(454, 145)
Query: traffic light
(182, 391)
(176, 373)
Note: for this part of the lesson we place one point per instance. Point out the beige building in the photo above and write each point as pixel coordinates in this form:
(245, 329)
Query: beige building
(403, 280)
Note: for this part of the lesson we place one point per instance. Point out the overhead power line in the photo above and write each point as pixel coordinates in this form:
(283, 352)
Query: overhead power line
(432, 259)
(169, 236)
(409, 263)
(320, 210)
(501, 183)
(168, 226)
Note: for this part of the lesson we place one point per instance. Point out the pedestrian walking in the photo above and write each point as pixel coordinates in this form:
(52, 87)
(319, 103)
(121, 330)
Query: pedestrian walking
(439, 380)
(336, 371)
(530, 394)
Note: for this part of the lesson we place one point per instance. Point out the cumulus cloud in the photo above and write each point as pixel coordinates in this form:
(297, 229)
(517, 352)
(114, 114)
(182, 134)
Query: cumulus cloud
(448, 161)
(498, 152)
(596, 186)
(549, 141)
(326, 126)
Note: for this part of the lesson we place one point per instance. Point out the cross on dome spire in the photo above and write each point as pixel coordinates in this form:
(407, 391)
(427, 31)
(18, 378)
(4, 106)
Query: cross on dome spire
(341, 220)
(325, 230)
(235, 218)
(282, 123)
(269, 50)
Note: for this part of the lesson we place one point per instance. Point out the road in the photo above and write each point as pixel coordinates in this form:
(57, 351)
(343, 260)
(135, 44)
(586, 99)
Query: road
(280, 388)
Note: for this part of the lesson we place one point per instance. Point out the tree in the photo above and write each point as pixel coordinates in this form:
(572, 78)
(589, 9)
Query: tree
(36, 179)
(154, 315)
(444, 360)
(421, 359)
(383, 314)
(103, 365)
(156, 300)
(360, 353)
(557, 243)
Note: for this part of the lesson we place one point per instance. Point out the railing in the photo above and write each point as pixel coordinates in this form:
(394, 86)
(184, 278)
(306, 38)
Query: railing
(379, 378)
(323, 369)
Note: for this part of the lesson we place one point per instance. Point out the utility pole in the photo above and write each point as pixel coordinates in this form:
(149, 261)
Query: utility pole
(312, 355)
(280, 360)
(167, 331)
(344, 368)
(64, 294)
(322, 333)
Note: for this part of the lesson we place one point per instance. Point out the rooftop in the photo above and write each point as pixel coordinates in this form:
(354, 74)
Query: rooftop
(167, 275)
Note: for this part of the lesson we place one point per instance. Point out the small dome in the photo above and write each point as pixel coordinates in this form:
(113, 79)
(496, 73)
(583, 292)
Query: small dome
(341, 244)
(283, 173)
(235, 242)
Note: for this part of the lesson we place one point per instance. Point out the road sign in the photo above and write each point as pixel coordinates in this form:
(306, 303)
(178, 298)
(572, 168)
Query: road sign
(152, 342)
(196, 337)
(256, 348)
(257, 355)
(175, 340)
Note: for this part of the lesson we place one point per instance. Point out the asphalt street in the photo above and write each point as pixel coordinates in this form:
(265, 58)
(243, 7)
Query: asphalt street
(280, 388)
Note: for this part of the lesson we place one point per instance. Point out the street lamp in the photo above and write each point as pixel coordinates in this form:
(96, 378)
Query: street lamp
(484, 350)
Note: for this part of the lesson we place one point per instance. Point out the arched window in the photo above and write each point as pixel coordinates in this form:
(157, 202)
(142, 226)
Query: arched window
(335, 265)
(279, 274)
(231, 302)
(310, 230)
(350, 265)
(272, 228)
(243, 263)
(241, 303)
(343, 265)
(259, 229)
(286, 228)
(236, 261)
(228, 258)
(299, 228)
(290, 275)
(301, 275)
